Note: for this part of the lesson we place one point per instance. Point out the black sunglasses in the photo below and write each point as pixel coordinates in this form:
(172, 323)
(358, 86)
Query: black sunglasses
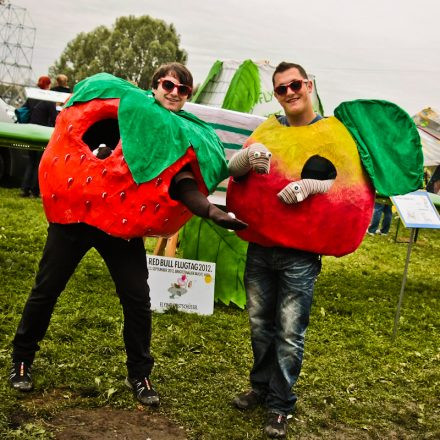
(169, 86)
(295, 86)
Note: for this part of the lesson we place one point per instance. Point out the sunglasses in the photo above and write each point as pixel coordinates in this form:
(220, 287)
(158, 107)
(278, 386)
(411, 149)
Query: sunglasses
(295, 86)
(169, 86)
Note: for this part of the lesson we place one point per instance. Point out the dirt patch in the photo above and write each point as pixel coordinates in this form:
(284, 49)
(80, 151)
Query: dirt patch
(112, 424)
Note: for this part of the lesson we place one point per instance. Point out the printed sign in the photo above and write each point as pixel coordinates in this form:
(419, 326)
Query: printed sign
(46, 95)
(416, 210)
(187, 285)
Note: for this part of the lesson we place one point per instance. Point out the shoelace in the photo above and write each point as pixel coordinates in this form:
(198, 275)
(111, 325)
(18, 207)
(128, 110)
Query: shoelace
(21, 371)
(147, 383)
(281, 418)
(140, 385)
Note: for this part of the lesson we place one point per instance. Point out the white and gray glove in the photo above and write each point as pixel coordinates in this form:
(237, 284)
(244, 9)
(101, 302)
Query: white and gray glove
(298, 191)
(256, 157)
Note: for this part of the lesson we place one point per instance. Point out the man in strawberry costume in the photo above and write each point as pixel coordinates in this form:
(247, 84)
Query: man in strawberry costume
(160, 164)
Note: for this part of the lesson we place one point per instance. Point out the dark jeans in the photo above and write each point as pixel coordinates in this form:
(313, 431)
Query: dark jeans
(433, 183)
(127, 263)
(279, 287)
(387, 212)
(30, 178)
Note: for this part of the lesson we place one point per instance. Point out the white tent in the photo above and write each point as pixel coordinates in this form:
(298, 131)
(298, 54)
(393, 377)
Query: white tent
(428, 125)
(231, 82)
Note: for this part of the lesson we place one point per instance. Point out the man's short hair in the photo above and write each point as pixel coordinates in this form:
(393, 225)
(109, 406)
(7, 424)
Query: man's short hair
(182, 73)
(61, 79)
(283, 66)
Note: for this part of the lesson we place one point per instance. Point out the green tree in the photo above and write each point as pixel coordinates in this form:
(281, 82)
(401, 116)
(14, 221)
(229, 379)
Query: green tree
(131, 49)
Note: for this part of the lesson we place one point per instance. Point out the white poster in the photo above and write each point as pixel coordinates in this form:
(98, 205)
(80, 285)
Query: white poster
(416, 210)
(46, 95)
(185, 284)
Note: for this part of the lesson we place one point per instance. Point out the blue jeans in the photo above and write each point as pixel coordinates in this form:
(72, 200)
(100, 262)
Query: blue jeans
(380, 209)
(279, 287)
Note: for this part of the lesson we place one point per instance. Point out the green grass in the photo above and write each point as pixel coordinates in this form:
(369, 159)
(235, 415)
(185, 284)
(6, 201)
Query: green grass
(355, 383)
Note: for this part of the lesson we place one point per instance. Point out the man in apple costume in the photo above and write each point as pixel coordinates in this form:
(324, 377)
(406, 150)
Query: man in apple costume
(300, 185)
(159, 164)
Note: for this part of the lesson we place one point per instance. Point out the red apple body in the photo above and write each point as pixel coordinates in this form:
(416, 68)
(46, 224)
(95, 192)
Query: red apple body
(333, 223)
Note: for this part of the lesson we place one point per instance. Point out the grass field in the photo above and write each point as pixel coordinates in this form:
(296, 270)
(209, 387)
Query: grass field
(356, 383)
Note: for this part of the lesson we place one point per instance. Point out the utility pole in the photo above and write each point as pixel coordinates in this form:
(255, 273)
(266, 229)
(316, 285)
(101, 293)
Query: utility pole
(17, 39)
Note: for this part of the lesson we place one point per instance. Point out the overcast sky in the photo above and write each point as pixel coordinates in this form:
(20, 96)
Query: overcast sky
(387, 49)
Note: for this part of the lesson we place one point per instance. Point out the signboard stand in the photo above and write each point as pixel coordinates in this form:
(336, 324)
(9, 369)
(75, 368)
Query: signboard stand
(416, 235)
(416, 211)
(402, 289)
(167, 246)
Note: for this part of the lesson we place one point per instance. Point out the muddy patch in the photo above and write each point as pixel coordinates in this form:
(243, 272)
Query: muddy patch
(111, 424)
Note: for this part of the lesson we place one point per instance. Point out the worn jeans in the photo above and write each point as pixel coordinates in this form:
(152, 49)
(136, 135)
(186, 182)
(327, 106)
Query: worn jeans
(380, 209)
(279, 287)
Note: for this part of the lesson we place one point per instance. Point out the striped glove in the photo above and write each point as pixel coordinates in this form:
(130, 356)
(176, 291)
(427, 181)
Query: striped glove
(256, 157)
(298, 191)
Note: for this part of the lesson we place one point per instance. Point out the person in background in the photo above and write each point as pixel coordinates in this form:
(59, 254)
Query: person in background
(61, 84)
(379, 209)
(433, 185)
(41, 113)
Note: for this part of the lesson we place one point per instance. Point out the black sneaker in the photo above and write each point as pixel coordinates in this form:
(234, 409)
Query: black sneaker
(143, 390)
(20, 377)
(276, 426)
(248, 400)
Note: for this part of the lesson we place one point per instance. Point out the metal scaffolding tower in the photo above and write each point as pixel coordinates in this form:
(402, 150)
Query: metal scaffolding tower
(17, 41)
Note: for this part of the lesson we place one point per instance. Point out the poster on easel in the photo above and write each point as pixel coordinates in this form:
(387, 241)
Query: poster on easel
(187, 285)
(416, 210)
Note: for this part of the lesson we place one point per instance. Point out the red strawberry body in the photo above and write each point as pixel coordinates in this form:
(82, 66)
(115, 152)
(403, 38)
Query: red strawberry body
(77, 187)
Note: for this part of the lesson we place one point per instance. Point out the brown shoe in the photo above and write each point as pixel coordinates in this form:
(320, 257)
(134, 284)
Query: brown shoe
(276, 426)
(248, 400)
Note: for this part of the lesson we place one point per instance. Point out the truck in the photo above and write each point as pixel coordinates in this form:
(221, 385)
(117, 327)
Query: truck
(16, 139)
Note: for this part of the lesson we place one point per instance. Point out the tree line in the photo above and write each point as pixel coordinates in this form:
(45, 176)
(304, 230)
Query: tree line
(131, 49)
